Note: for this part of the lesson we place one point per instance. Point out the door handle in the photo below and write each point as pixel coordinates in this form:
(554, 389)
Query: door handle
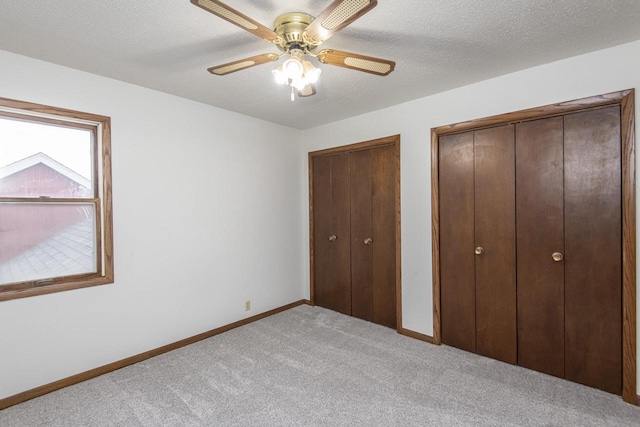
(368, 241)
(557, 256)
(479, 250)
(332, 238)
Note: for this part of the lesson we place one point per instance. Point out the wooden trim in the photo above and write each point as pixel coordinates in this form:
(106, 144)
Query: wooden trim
(95, 147)
(626, 100)
(107, 200)
(39, 119)
(48, 200)
(105, 369)
(312, 258)
(435, 237)
(375, 143)
(97, 218)
(416, 335)
(398, 239)
(52, 111)
(104, 225)
(358, 146)
(559, 108)
(629, 355)
(50, 289)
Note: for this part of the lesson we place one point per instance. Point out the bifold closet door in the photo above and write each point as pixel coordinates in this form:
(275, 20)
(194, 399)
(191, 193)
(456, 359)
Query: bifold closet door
(373, 296)
(540, 202)
(457, 234)
(361, 230)
(373, 274)
(332, 253)
(540, 235)
(569, 247)
(354, 224)
(383, 246)
(477, 242)
(494, 174)
(593, 268)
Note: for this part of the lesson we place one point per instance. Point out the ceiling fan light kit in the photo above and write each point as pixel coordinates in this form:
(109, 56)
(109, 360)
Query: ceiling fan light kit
(298, 34)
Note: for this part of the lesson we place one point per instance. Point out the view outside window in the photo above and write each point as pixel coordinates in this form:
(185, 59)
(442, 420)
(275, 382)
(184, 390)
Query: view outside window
(48, 201)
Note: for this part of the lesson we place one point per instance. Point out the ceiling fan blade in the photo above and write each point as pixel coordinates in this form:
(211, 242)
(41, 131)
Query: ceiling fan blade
(243, 64)
(308, 90)
(243, 21)
(368, 64)
(336, 16)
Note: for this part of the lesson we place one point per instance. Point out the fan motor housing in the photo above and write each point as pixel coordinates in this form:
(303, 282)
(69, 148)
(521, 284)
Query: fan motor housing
(290, 27)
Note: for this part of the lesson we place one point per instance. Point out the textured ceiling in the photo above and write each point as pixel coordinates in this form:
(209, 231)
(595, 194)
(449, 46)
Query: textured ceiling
(167, 45)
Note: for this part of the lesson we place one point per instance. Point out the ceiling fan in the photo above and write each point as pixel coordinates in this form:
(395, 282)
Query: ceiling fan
(298, 35)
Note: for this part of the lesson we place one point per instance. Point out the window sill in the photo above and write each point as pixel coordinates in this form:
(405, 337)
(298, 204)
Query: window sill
(57, 287)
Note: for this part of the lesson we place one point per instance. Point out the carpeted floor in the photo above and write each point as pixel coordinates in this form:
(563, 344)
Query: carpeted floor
(313, 367)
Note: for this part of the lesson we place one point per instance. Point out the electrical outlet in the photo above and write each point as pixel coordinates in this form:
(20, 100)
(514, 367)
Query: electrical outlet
(247, 305)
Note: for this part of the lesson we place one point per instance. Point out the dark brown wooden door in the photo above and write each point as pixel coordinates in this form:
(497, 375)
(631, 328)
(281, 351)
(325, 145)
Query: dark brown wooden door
(495, 268)
(361, 229)
(540, 234)
(593, 272)
(567, 289)
(457, 264)
(373, 239)
(383, 246)
(354, 200)
(332, 250)
(477, 211)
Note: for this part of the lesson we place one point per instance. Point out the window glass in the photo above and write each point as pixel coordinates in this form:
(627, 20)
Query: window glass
(41, 159)
(41, 241)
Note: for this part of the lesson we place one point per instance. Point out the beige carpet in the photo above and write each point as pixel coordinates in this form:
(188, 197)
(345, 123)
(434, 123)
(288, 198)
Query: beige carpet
(313, 367)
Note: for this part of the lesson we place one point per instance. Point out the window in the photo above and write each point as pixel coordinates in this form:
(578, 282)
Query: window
(55, 200)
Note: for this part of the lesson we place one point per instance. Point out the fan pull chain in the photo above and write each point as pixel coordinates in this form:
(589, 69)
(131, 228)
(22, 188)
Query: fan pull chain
(293, 98)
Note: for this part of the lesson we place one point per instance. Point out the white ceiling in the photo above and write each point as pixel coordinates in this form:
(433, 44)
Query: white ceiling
(167, 45)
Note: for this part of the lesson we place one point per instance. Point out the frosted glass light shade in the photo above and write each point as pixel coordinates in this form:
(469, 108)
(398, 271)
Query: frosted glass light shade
(280, 76)
(311, 73)
(293, 68)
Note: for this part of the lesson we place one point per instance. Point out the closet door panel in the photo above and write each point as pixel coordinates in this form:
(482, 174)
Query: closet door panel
(593, 316)
(361, 228)
(457, 271)
(540, 233)
(495, 232)
(384, 235)
(332, 281)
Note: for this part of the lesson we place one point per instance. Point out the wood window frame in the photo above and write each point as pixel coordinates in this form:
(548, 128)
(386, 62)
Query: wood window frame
(626, 100)
(393, 140)
(100, 126)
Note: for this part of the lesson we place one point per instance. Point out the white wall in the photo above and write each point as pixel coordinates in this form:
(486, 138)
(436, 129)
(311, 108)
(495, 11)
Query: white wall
(205, 216)
(592, 74)
(211, 208)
